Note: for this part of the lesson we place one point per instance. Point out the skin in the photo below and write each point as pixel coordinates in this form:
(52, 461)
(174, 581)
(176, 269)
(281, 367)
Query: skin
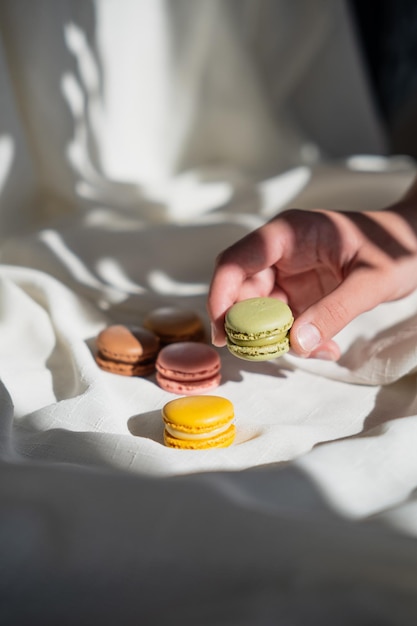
(328, 266)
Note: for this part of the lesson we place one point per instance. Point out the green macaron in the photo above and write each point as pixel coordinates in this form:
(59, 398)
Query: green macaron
(257, 328)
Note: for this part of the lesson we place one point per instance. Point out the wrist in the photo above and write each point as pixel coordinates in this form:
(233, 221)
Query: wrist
(406, 207)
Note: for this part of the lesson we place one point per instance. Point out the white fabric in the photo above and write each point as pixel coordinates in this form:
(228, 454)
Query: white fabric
(96, 268)
(137, 140)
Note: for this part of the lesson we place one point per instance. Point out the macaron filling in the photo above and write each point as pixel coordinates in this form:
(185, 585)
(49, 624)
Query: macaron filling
(195, 436)
(224, 440)
(259, 340)
(259, 351)
(188, 376)
(173, 325)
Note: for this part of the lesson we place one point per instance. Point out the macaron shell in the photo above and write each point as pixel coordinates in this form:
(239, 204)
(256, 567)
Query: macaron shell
(258, 317)
(127, 343)
(188, 360)
(198, 414)
(223, 440)
(173, 324)
(188, 367)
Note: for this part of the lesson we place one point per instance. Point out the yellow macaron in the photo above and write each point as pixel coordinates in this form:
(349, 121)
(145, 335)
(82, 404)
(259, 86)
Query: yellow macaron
(198, 423)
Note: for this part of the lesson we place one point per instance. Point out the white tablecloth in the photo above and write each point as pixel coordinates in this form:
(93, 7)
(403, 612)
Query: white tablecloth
(65, 283)
(126, 163)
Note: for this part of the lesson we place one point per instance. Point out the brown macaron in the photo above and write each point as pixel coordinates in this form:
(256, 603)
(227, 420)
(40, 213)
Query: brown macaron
(173, 324)
(127, 350)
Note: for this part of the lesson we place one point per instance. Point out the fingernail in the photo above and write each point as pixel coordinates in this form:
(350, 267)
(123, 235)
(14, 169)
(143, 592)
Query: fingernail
(308, 337)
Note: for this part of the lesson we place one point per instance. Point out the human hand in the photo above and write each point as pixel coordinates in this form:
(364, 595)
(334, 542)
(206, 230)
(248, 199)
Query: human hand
(328, 266)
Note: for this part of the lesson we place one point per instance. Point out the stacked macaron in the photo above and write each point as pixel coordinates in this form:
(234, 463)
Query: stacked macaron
(188, 367)
(172, 344)
(131, 350)
(198, 423)
(172, 324)
(127, 350)
(257, 329)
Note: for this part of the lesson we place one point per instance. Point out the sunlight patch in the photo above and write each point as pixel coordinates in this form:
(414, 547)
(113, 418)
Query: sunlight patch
(375, 163)
(112, 272)
(6, 158)
(162, 283)
(277, 192)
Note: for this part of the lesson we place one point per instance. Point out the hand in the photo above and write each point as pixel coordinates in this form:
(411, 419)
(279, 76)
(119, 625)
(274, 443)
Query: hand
(328, 266)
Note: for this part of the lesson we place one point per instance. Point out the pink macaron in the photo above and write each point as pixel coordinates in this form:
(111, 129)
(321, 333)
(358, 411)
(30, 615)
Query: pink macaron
(188, 367)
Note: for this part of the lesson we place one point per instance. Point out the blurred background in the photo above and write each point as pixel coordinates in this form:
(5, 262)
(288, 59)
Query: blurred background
(113, 101)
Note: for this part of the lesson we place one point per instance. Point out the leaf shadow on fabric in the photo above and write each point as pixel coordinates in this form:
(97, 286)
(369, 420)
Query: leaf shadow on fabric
(389, 356)
(393, 402)
(77, 448)
(65, 378)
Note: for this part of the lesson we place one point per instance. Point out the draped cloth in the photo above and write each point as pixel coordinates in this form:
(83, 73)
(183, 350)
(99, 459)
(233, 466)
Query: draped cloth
(138, 140)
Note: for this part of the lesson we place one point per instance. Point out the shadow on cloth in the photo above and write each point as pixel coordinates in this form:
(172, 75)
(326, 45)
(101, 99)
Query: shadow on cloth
(246, 548)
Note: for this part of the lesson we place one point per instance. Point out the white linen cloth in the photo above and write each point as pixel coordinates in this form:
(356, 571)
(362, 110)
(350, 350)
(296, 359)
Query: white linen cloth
(99, 268)
(128, 159)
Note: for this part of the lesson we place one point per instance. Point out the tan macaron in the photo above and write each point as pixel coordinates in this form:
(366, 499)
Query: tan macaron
(127, 350)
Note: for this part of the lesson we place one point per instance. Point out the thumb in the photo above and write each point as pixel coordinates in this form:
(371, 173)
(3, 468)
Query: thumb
(312, 332)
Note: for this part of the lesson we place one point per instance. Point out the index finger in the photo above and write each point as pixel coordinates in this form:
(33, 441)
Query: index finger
(243, 270)
(224, 291)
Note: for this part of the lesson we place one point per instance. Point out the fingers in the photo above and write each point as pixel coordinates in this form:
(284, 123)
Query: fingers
(231, 286)
(333, 267)
(224, 291)
(326, 350)
(313, 330)
(243, 271)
